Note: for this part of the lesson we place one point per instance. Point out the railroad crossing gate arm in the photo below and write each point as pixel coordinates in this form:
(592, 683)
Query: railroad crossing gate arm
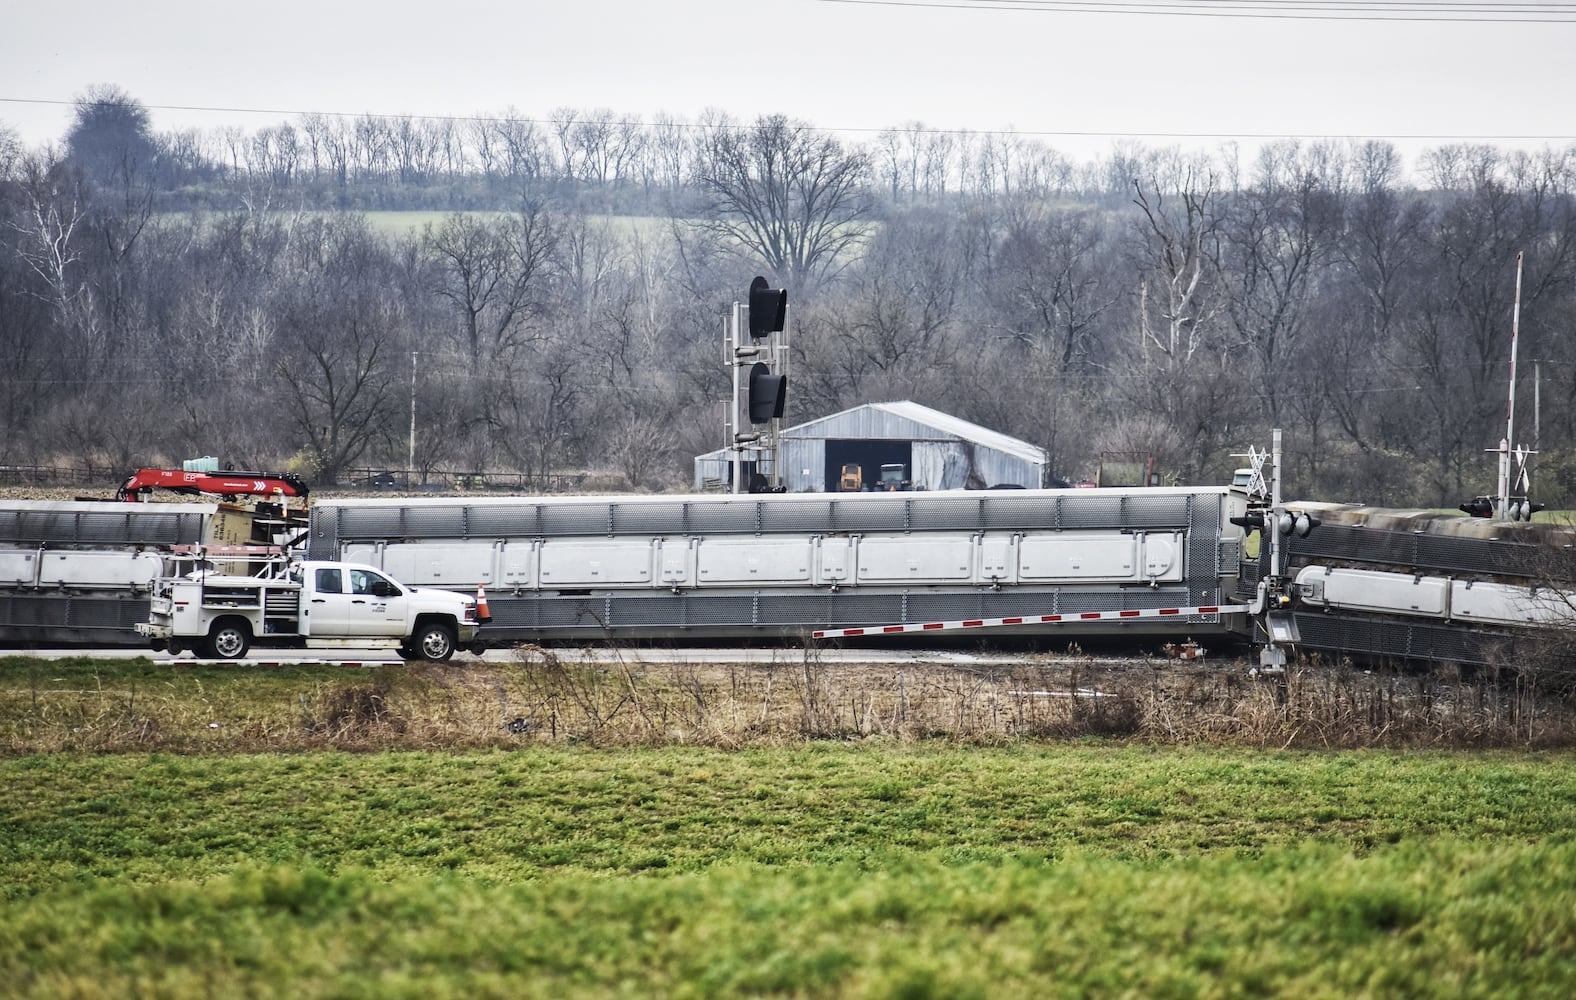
(1068, 619)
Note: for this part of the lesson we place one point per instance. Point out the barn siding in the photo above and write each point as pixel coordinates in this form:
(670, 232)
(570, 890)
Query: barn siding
(945, 449)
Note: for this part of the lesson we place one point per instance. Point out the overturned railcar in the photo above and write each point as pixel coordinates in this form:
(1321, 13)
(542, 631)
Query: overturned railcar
(81, 572)
(1416, 585)
(778, 565)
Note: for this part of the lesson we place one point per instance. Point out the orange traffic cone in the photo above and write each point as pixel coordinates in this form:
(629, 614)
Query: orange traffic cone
(483, 615)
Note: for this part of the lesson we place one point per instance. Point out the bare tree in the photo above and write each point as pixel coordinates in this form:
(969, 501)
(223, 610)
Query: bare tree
(489, 272)
(1174, 384)
(888, 330)
(111, 137)
(53, 204)
(1049, 286)
(785, 193)
(1177, 245)
(1279, 241)
(10, 151)
(337, 328)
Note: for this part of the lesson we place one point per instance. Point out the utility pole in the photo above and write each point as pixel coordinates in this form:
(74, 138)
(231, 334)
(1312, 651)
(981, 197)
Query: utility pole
(410, 460)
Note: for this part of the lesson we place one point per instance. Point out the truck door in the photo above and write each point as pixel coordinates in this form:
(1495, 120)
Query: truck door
(378, 605)
(327, 607)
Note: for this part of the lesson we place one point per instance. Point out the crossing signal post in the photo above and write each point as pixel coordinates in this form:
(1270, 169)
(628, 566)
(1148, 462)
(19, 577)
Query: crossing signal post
(1275, 524)
(756, 342)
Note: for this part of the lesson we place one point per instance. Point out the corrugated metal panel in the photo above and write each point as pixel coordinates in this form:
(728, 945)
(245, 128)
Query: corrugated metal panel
(1137, 508)
(1404, 640)
(1419, 550)
(803, 464)
(956, 465)
(102, 523)
(946, 448)
(907, 420)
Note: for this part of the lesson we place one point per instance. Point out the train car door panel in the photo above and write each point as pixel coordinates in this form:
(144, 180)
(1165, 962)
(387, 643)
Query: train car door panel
(915, 559)
(1078, 556)
(595, 562)
(753, 560)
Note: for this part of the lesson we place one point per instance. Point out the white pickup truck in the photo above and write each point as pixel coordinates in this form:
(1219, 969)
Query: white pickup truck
(312, 605)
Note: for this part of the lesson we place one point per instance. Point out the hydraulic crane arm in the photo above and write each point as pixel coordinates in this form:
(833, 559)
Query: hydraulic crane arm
(222, 484)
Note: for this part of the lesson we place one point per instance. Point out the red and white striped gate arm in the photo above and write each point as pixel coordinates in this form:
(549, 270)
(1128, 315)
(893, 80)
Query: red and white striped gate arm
(1067, 619)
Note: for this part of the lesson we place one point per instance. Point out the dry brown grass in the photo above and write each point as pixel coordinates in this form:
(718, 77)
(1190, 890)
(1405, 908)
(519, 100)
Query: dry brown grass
(542, 697)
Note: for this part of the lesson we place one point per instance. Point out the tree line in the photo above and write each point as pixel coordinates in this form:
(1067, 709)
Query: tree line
(168, 295)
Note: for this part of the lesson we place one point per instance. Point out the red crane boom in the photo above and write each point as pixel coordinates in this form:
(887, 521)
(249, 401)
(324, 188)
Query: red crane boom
(222, 484)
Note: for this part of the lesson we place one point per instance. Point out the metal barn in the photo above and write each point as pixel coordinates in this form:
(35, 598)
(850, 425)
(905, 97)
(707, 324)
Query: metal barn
(936, 450)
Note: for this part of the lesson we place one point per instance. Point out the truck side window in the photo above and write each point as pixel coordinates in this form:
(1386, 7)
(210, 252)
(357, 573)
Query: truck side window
(365, 582)
(328, 582)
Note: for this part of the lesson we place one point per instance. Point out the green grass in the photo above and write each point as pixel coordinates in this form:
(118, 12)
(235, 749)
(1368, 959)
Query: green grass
(504, 815)
(202, 830)
(822, 869)
(401, 224)
(1441, 919)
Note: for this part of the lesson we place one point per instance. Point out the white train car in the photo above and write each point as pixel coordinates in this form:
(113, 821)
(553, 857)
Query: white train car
(81, 571)
(1440, 598)
(1424, 586)
(720, 566)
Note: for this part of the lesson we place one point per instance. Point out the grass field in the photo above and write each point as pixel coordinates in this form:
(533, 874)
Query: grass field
(420, 863)
(403, 224)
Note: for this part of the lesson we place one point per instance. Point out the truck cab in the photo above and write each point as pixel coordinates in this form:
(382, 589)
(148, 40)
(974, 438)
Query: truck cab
(894, 478)
(312, 605)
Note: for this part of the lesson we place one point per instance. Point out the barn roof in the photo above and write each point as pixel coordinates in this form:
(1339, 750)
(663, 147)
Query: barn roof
(905, 419)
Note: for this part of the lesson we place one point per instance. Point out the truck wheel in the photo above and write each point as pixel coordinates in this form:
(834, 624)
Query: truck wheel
(229, 640)
(434, 642)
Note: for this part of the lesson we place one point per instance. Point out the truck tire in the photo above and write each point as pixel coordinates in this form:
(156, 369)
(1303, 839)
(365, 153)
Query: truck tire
(229, 639)
(432, 641)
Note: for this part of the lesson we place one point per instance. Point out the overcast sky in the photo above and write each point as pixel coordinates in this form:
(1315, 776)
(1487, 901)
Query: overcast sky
(1078, 80)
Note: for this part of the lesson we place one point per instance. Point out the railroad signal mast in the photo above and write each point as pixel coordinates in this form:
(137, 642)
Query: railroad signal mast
(1512, 499)
(1515, 482)
(1271, 606)
(755, 342)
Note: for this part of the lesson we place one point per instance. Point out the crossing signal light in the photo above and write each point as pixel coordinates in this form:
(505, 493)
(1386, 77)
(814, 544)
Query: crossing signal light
(1301, 523)
(1478, 507)
(768, 309)
(1253, 520)
(1286, 522)
(768, 394)
(1522, 510)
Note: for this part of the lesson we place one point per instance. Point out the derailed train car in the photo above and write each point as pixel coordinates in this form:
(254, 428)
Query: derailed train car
(1416, 585)
(82, 571)
(718, 566)
(1369, 583)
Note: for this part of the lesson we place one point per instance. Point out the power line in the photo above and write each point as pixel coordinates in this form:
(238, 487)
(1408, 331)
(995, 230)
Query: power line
(1299, 10)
